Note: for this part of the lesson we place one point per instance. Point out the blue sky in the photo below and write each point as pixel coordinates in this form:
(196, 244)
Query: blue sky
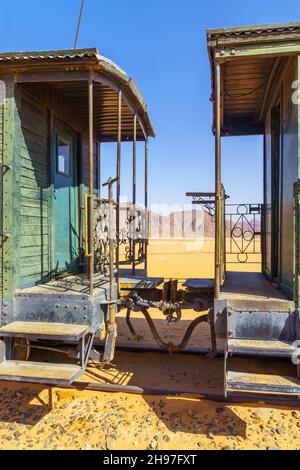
(162, 44)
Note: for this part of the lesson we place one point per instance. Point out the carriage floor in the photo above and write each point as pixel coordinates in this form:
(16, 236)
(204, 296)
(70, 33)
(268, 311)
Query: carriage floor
(78, 284)
(253, 287)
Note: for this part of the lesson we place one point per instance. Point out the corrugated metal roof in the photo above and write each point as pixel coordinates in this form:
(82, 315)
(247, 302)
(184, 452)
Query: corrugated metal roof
(255, 29)
(108, 66)
(57, 54)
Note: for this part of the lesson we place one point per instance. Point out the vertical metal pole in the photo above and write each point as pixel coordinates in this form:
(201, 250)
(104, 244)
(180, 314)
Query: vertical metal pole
(146, 235)
(51, 172)
(119, 145)
(78, 24)
(133, 227)
(218, 223)
(296, 241)
(99, 170)
(111, 241)
(91, 186)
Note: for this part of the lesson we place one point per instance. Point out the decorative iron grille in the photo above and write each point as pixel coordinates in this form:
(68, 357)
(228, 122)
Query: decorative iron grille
(243, 230)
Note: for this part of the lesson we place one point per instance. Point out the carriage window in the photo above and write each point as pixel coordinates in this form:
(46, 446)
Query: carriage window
(63, 157)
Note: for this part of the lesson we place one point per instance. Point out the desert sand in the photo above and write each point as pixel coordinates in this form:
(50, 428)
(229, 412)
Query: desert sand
(36, 417)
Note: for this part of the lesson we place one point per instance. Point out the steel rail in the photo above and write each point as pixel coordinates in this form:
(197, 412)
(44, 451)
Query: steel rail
(242, 398)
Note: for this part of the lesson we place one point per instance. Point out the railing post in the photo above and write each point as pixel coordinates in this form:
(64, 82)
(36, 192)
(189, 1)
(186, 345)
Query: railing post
(223, 270)
(146, 206)
(218, 222)
(91, 187)
(133, 226)
(119, 148)
(296, 242)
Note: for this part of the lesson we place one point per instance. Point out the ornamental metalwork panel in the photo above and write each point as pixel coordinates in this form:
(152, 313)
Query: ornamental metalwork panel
(243, 230)
(105, 236)
(133, 234)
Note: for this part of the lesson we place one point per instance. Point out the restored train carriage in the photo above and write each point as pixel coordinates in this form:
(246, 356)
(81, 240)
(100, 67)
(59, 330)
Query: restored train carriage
(58, 273)
(60, 268)
(255, 77)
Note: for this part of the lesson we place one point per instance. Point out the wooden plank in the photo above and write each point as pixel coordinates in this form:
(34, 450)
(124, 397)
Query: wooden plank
(38, 173)
(199, 284)
(32, 211)
(39, 372)
(263, 383)
(39, 203)
(261, 347)
(40, 194)
(140, 282)
(34, 251)
(32, 241)
(37, 270)
(31, 183)
(69, 332)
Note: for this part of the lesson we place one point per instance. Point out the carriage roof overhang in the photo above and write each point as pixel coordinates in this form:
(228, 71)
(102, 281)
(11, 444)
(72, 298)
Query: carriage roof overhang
(253, 59)
(67, 71)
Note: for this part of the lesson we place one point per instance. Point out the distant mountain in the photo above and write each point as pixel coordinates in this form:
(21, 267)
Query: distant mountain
(189, 224)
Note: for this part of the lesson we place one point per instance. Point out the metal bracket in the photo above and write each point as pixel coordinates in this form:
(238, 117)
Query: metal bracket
(5, 236)
(6, 167)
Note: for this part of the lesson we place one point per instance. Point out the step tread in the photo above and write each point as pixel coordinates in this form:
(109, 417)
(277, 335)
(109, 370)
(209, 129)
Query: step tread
(199, 284)
(140, 282)
(237, 345)
(44, 330)
(39, 371)
(262, 382)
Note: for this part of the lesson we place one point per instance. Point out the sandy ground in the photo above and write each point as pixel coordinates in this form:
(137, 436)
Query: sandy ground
(35, 417)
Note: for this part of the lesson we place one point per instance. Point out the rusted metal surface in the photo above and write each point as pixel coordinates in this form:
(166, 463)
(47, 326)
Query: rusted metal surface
(119, 149)
(134, 192)
(170, 347)
(91, 187)
(146, 204)
(218, 208)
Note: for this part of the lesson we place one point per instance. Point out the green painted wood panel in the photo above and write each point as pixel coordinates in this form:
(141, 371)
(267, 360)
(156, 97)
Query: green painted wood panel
(32, 137)
(10, 180)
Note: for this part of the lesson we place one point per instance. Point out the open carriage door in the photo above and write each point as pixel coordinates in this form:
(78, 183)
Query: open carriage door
(66, 205)
(275, 191)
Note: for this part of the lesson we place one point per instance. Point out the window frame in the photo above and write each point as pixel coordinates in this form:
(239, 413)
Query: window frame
(59, 138)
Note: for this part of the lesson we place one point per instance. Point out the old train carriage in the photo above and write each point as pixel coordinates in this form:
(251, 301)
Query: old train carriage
(255, 77)
(58, 265)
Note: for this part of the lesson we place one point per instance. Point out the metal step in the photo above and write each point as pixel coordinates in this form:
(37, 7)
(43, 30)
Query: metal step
(140, 282)
(261, 347)
(50, 331)
(262, 383)
(199, 285)
(39, 372)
